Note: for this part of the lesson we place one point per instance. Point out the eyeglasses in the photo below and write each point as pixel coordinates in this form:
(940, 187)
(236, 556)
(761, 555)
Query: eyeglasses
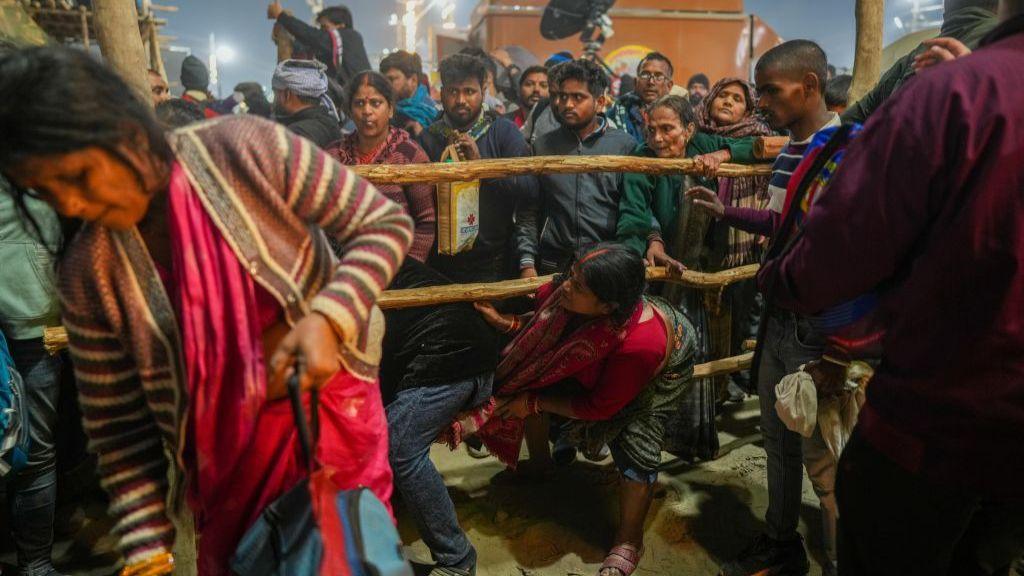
(656, 78)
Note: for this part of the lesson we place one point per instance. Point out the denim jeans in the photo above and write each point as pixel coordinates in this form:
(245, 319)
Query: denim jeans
(32, 492)
(415, 418)
(789, 342)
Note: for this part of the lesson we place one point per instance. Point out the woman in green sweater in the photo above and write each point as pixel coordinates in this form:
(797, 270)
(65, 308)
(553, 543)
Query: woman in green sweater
(654, 218)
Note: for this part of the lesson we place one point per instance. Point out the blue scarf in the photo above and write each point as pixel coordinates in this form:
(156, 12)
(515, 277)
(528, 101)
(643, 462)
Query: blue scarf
(420, 107)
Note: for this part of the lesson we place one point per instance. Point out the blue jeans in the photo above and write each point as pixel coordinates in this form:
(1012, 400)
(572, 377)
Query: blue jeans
(415, 418)
(32, 492)
(789, 342)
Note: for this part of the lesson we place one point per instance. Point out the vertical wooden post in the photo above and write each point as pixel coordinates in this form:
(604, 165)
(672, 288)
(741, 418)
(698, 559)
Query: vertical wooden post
(117, 31)
(84, 14)
(867, 63)
(156, 59)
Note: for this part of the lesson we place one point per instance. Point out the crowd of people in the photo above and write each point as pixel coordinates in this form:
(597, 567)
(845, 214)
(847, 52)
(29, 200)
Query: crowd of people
(204, 254)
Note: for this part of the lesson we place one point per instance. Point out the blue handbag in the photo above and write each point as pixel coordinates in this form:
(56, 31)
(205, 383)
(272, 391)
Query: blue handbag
(287, 541)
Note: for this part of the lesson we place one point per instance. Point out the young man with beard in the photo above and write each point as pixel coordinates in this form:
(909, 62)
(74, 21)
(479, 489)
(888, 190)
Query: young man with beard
(414, 109)
(653, 80)
(926, 209)
(791, 83)
(480, 134)
(698, 87)
(574, 210)
(533, 87)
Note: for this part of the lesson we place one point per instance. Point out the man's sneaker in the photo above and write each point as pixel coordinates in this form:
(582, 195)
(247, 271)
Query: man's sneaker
(767, 557)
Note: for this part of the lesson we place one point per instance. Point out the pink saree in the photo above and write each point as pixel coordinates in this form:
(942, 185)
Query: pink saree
(242, 450)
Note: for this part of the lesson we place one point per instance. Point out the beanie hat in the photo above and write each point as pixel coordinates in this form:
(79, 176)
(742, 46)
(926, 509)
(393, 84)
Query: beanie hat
(194, 75)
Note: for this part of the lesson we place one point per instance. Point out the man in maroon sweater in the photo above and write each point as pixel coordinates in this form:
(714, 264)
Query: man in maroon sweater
(927, 208)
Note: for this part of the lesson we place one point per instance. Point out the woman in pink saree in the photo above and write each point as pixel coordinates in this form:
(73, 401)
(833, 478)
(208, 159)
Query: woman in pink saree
(200, 280)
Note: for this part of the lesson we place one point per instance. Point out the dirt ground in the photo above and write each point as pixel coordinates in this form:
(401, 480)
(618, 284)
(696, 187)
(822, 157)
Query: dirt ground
(562, 527)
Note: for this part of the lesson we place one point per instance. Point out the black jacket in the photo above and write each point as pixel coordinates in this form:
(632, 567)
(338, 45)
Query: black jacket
(353, 52)
(432, 345)
(315, 124)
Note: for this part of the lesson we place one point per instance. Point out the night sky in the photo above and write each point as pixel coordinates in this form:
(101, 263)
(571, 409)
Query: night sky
(242, 25)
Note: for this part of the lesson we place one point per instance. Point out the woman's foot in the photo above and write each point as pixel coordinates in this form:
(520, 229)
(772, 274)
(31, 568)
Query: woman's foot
(621, 561)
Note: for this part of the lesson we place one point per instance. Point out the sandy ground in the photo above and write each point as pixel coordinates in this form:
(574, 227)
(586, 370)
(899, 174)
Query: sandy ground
(562, 527)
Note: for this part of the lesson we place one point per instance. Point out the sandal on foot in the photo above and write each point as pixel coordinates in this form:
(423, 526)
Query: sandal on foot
(623, 558)
(449, 571)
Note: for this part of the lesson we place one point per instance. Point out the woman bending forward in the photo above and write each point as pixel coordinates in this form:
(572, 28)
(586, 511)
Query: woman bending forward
(200, 279)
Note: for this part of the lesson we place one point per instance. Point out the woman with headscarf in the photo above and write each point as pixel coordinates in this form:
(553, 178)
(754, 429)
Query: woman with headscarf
(200, 281)
(605, 359)
(730, 111)
(371, 105)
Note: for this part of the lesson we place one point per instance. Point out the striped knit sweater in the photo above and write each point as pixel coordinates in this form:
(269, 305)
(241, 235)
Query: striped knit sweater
(273, 196)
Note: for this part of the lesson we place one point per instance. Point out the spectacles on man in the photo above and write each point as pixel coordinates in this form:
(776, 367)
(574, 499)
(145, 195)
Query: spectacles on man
(655, 78)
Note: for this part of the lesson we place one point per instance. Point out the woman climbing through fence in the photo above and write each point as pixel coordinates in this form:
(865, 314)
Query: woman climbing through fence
(604, 357)
(198, 282)
(371, 105)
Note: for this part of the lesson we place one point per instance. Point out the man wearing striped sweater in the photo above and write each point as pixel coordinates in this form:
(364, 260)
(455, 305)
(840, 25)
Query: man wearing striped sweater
(790, 84)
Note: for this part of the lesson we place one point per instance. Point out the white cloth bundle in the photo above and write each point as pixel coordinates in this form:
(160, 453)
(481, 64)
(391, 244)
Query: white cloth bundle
(800, 410)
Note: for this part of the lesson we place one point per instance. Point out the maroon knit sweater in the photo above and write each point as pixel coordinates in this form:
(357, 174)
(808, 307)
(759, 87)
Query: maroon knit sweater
(416, 199)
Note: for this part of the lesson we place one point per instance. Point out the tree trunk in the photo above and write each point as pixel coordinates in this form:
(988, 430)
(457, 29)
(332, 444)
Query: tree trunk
(867, 64)
(117, 31)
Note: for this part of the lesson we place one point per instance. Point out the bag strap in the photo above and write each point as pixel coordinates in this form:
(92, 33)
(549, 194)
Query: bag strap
(309, 429)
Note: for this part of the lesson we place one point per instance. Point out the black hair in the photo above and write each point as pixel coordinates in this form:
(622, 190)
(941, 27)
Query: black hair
(176, 113)
(408, 63)
(952, 5)
(614, 273)
(255, 98)
(796, 58)
(461, 67)
(337, 15)
(837, 91)
(372, 79)
(700, 78)
(56, 100)
(658, 57)
(581, 70)
(678, 104)
(480, 54)
(530, 72)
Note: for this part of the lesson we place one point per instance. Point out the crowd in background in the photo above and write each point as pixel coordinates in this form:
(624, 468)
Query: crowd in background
(203, 265)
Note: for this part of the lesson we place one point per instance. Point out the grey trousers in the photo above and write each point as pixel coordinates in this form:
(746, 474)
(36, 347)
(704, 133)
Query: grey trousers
(789, 342)
(32, 492)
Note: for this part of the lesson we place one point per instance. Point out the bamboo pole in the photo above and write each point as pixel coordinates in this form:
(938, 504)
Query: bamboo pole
(723, 366)
(117, 32)
(56, 339)
(867, 62)
(505, 167)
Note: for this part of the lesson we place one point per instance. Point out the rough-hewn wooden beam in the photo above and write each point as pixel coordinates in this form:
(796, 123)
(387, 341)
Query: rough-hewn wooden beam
(56, 339)
(504, 167)
(723, 366)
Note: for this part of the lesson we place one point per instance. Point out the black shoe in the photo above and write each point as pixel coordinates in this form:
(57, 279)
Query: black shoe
(767, 557)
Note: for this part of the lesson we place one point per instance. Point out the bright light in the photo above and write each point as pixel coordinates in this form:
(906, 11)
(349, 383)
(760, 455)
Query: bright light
(393, 19)
(225, 53)
(899, 23)
(448, 25)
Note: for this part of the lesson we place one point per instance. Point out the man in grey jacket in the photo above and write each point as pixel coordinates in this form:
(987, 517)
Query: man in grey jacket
(573, 210)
